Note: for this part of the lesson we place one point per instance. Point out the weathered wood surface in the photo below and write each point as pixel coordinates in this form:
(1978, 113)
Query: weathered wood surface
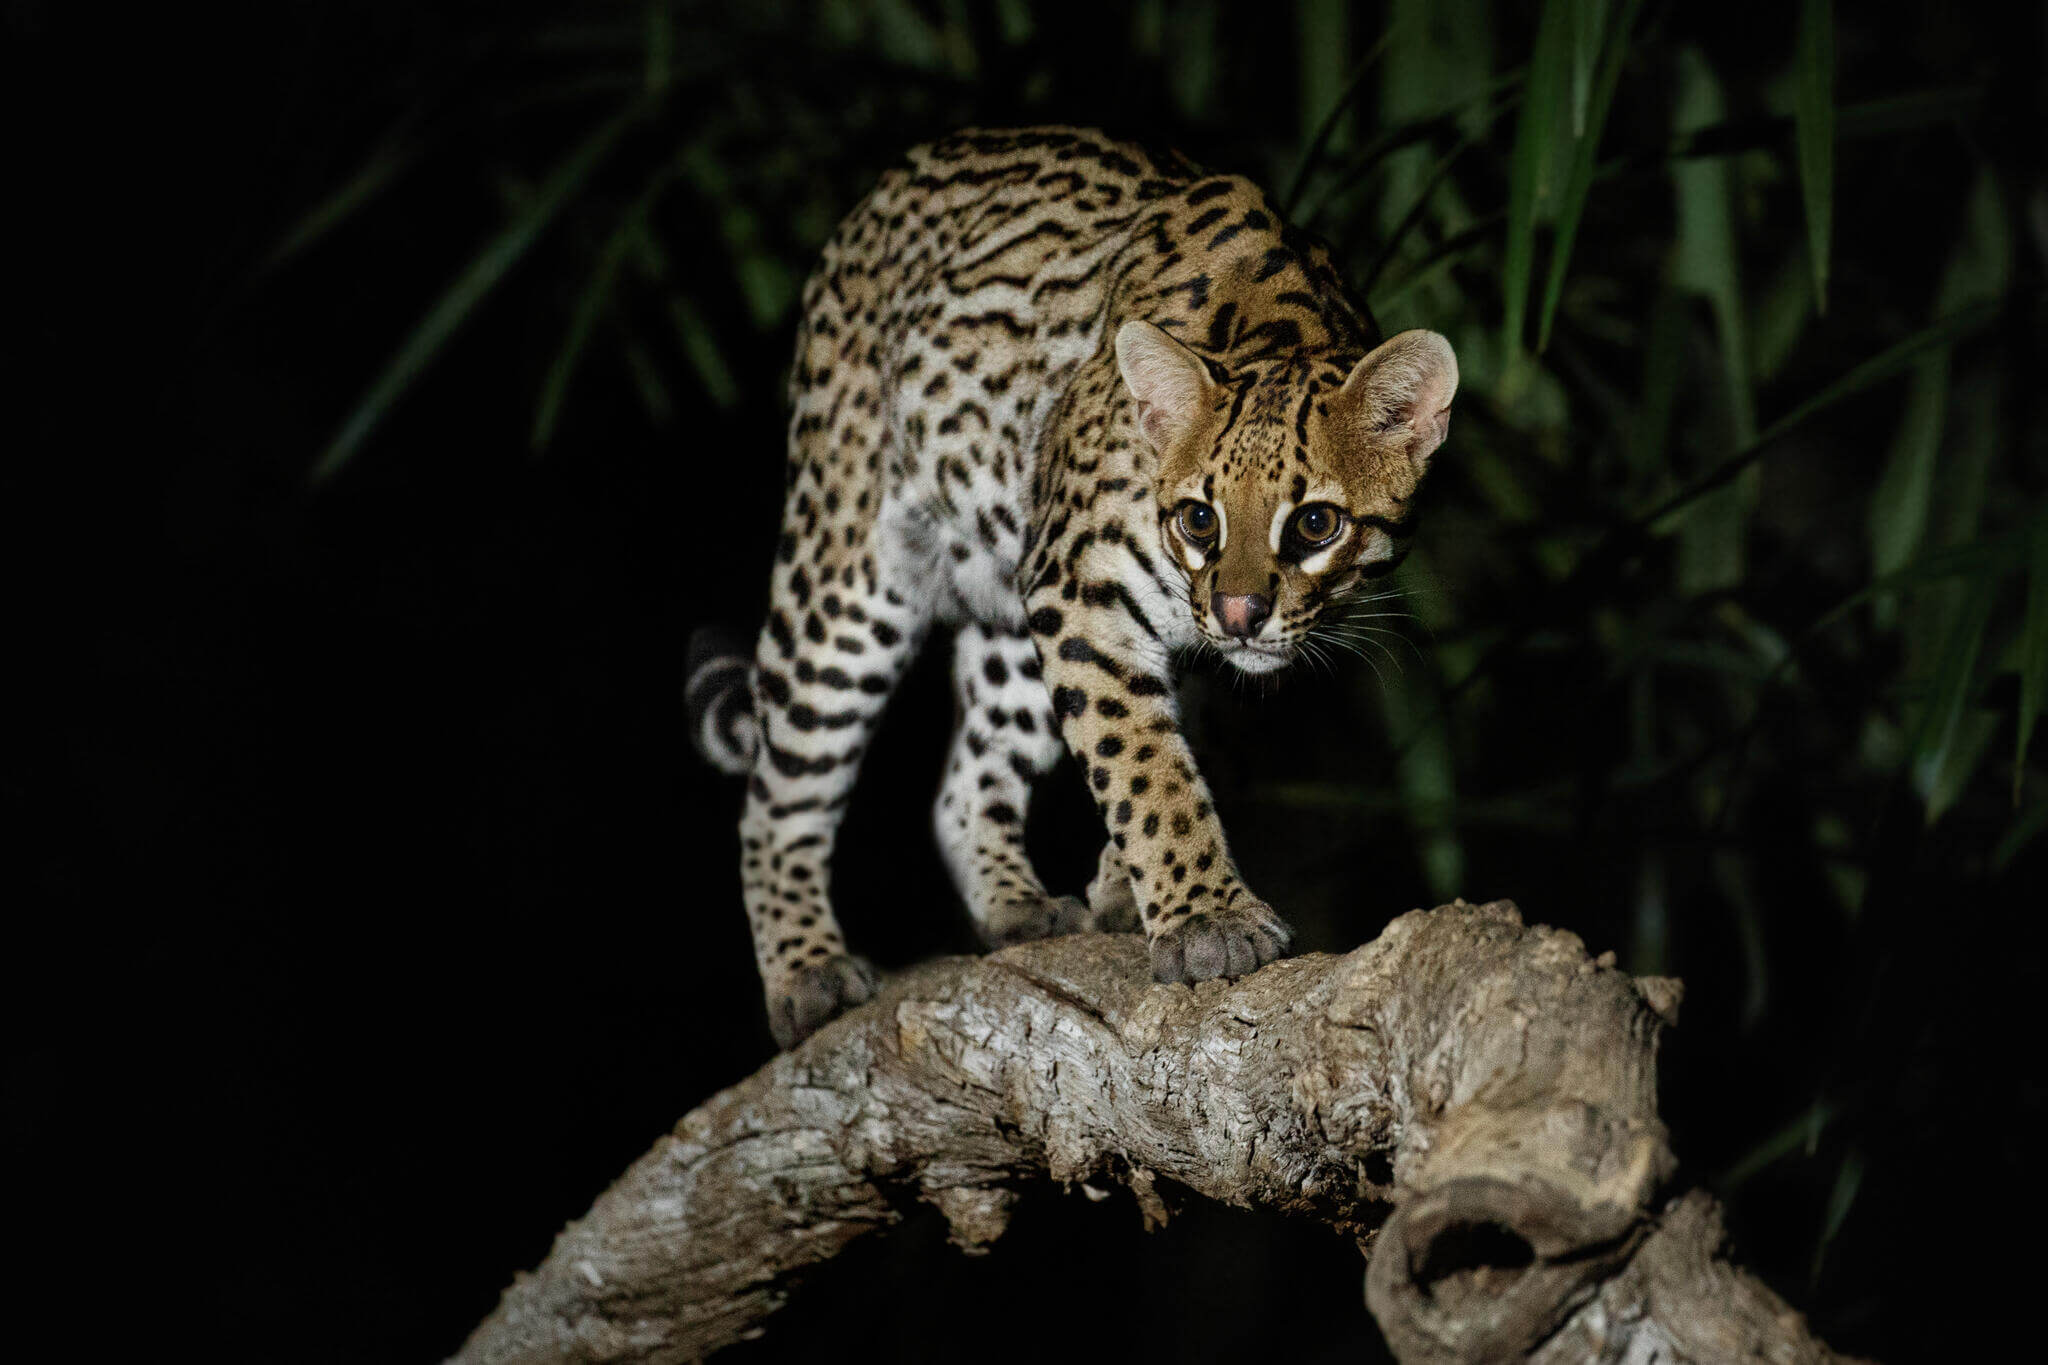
(1472, 1098)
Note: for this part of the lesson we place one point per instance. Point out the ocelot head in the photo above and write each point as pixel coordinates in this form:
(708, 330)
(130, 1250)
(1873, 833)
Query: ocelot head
(1284, 486)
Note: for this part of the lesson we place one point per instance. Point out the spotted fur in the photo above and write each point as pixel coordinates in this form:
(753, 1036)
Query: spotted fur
(1087, 408)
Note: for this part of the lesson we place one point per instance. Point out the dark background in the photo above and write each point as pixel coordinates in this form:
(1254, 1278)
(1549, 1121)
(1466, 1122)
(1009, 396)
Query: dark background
(377, 914)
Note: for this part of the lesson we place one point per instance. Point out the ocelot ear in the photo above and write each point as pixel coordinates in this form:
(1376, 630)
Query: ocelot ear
(1401, 393)
(1170, 382)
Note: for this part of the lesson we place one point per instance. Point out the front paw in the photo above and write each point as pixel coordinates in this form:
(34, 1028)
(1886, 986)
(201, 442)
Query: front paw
(1226, 942)
(817, 993)
(1024, 920)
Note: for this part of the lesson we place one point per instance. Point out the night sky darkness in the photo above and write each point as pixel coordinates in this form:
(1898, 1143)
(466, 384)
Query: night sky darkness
(377, 913)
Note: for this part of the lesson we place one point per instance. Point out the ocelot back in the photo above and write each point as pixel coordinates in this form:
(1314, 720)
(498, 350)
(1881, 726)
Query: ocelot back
(1086, 406)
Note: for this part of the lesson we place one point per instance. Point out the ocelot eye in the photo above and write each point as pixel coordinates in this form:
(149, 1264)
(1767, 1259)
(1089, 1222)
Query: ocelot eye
(1317, 523)
(1198, 522)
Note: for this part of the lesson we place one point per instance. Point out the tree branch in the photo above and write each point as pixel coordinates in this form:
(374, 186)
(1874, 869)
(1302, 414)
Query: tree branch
(1490, 1084)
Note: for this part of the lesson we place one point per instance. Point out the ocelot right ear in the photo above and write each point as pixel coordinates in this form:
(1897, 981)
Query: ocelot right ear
(1401, 394)
(1170, 382)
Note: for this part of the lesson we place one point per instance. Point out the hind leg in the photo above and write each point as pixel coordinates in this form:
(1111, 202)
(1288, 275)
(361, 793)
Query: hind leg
(1004, 742)
(827, 660)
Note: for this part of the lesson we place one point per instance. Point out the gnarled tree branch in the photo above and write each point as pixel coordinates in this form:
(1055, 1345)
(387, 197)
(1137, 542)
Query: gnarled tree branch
(1474, 1099)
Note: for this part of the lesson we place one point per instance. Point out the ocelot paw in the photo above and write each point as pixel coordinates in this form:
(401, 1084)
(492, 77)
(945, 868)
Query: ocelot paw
(1111, 898)
(1022, 921)
(1227, 942)
(816, 994)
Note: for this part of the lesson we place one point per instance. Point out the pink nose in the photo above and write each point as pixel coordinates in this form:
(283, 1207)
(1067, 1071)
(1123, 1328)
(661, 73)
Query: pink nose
(1241, 614)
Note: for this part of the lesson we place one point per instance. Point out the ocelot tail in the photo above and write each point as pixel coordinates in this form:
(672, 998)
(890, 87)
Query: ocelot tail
(1089, 408)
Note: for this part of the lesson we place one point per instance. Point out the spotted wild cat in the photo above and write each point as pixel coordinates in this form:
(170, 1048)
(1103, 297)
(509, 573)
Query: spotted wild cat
(1086, 407)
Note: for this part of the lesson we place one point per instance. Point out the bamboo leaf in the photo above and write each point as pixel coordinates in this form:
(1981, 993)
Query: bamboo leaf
(373, 179)
(2033, 652)
(1533, 180)
(1589, 118)
(1848, 1180)
(1900, 504)
(1589, 19)
(1813, 115)
(1804, 1129)
(470, 288)
(590, 304)
(1326, 130)
(2024, 831)
(1942, 739)
(1936, 336)
(1707, 259)
(1323, 32)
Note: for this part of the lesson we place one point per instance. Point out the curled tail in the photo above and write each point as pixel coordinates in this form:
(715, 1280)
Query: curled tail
(719, 695)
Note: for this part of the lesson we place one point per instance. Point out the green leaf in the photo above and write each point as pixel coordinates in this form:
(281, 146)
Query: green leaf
(661, 47)
(2024, 831)
(1534, 179)
(1943, 741)
(470, 288)
(590, 304)
(1427, 778)
(1669, 328)
(1803, 1131)
(1848, 1180)
(1326, 130)
(1813, 115)
(383, 167)
(1707, 260)
(1900, 504)
(1323, 32)
(1589, 117)
(694, 334)
(2033, 651)
(1936, 336)
(1589, 19)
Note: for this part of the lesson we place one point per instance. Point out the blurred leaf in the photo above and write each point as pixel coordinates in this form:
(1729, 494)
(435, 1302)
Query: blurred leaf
(1535, 180)
(1848, 1180)
(1909, 112)
(1731, 876)
(1663, 374)
(649, 382)
(1192, 47)
(1900, 504)
(1802, 1132)
(1942, 740)
(1589, 19)
(2033, 651)
(693, 332)
(359, 190)
(469, 289)
(1435, 47)
(590, 303)
(1325, 131)
(1937, 336)
(1781, 317)
(1589, 117)
(2024, 831)
(1707, 261)
(1814, 116)
(661, 47)
(1425, 774)
(1323, 34)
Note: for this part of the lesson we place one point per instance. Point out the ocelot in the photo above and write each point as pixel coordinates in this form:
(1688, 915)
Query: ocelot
(1089, 408)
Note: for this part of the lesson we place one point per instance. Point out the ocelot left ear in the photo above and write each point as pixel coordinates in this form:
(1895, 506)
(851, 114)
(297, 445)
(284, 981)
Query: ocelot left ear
(1402, 393)
(1169, 381)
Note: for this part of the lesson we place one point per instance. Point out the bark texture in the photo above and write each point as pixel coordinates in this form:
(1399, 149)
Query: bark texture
(1474, 1099)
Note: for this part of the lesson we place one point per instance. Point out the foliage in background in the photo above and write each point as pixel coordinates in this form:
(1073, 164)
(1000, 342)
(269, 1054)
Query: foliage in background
(1739, 576)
